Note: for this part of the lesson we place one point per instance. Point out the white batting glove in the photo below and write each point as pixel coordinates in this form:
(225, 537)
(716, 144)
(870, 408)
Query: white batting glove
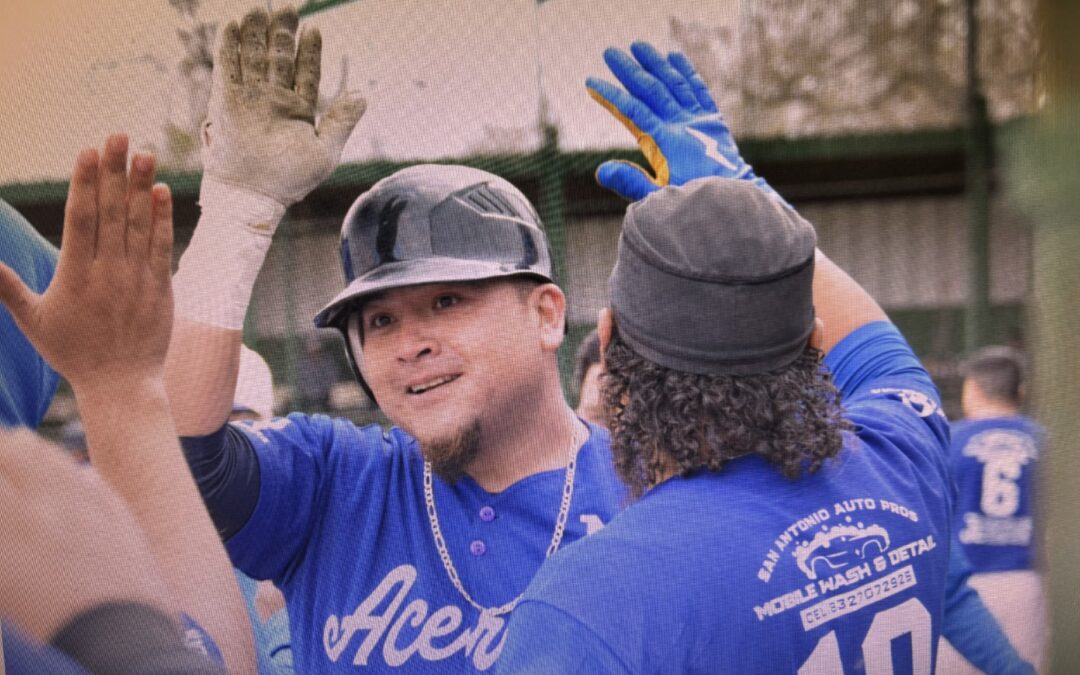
(260, 133)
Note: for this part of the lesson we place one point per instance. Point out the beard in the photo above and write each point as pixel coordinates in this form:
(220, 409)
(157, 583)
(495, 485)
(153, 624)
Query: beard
(451, 455)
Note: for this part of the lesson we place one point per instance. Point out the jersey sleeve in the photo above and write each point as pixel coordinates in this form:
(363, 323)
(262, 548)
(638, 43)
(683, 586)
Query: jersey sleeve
(888, 395)
(872, 355)
(543, 639)
(27, 383)
(300, 458)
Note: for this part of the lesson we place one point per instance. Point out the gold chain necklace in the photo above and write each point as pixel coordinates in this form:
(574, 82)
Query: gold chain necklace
(556, 538)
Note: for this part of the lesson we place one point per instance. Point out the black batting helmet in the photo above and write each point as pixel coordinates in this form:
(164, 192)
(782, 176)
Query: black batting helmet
(427, 224)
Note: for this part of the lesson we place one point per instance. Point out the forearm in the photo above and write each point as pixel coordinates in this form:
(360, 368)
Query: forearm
(213, 288)
(133, 445)
(840, 302)
(200, 375)
(970, 627)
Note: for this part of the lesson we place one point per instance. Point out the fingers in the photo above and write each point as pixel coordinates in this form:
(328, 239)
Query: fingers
(655, 63)
(282, 47)
(80, 216)
(112, 198)
(701, 91)
(227, 66)
(140, 206)
(632, 113)
(18, 298)
(308, 66)
(161, 233)
(641, 84)
(626, 179)
(338, 122)
(253, 49)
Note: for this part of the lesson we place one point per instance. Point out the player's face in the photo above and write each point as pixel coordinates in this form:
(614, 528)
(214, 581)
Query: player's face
(443, 358)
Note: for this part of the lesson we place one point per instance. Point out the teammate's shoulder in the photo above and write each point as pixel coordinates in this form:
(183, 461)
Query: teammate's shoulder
(903, 397)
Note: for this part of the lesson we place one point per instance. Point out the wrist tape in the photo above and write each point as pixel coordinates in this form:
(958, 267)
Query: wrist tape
(217, 271)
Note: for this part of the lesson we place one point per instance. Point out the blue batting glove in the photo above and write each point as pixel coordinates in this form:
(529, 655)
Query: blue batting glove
(674, 119)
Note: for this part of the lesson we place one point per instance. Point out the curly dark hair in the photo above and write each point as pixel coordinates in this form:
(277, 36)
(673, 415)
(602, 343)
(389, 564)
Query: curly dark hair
(664, 419)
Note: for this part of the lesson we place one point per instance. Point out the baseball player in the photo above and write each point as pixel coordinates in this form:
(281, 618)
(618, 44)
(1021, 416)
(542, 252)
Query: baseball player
(776, 531)
(671, 112)
(405, 549)
(995, 457)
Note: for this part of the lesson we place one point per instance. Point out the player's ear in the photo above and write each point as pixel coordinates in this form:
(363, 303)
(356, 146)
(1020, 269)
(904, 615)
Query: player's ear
(604, 324)
(549, 304)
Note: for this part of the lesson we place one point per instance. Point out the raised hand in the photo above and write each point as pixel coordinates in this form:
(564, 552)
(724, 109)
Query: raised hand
(107, 315)
(260, 132)
(669, 110)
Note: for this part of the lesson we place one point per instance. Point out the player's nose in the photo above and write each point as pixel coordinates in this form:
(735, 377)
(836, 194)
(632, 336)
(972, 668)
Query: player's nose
(416, 342)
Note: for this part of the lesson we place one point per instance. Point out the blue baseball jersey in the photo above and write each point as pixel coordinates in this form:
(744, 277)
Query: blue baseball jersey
(746, 571)
(27, 383)
(341, 525)
(994, 464)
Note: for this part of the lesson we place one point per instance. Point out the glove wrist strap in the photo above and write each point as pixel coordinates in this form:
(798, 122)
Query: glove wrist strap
(218, 270)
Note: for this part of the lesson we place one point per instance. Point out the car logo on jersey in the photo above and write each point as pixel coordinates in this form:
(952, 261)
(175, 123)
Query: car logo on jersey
(834, 548)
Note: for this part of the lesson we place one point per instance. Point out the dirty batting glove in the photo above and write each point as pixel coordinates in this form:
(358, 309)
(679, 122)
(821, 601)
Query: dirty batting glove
(262, 151)
(669, 110)
(260, 133)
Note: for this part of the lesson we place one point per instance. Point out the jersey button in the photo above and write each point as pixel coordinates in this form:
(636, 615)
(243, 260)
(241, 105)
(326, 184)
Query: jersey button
(477, 547)
(487, 514)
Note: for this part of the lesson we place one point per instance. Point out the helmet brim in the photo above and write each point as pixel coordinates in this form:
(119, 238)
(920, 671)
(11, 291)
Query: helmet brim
(415, 273)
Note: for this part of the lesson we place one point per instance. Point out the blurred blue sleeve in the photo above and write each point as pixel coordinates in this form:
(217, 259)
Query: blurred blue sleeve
(27, 383)
(971, 629)
(20, 655)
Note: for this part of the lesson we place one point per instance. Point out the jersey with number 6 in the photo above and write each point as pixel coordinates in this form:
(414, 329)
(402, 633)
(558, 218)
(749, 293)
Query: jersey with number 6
(746, 571)
(994, 463)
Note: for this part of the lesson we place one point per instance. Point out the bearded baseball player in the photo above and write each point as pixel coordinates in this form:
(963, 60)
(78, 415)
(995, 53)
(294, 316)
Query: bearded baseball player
(406, 549)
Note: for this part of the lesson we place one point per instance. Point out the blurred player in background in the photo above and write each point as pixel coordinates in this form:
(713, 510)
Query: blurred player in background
(587, 379)
(254, 400)
(995, 459)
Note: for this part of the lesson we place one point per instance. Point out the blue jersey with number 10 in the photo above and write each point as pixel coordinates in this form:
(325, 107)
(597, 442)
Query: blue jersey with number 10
(746, 571)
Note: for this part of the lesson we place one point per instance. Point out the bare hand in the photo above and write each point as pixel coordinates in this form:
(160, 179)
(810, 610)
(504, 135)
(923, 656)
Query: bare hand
(68, 542)
(260, 131)
(107, 314)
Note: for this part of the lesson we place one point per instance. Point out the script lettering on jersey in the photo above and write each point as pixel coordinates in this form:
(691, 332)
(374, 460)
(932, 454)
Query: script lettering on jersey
(412, 629)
